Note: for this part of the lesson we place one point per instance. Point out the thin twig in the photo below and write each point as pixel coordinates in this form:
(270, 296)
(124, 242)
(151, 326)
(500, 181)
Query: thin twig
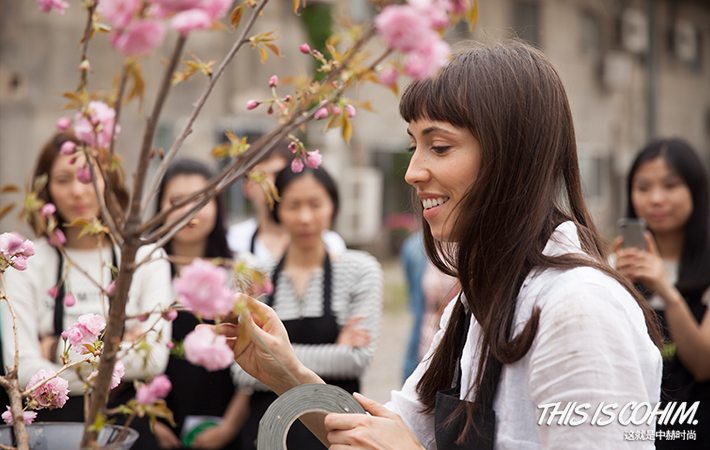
(16, 358)
(63, 369)
(134, 214)
(84, 78)
(114, 232)
(170, 155)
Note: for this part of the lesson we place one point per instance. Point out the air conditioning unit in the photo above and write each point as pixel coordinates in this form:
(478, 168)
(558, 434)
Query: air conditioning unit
(685, 41)
(359, 220)
(634, 31)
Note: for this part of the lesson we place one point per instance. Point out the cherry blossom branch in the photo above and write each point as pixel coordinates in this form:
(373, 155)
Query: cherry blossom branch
(9, 381)
(61, 370)
(144, 158)
(114, 233)
(90, 9)
(187, 130)
(3, 296)
(82, 271)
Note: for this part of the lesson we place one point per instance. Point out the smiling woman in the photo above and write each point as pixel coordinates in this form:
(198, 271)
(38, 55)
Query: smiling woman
(70, 277)
(444, 165)
(540, 314)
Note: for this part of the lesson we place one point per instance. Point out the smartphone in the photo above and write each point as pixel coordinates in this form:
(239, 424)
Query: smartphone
(632, 231)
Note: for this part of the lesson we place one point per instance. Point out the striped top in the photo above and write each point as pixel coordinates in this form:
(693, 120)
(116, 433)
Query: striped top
(357, 291)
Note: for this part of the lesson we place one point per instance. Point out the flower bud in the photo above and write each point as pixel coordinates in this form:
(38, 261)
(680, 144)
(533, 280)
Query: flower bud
(273, 81)
(322, 113)
(252, 104)
(304, 48)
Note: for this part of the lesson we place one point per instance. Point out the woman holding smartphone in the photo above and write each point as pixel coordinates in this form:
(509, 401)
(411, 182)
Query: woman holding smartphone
(668, 189)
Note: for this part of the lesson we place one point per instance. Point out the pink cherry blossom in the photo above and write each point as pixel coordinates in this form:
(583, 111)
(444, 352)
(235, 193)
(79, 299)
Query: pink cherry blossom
(321, 113)
(252, 104)
(206, 349)
(158, 388)
(14, 251)
(119, 370)
(297, 165)
(111, 288)
(403, 28)
(273, 81)
(201, 287)
(86, 330)
(57, 238)
(388, 76)
(427, 60)
(95, 127)
(63, 123)
(139, 37)
(27, 416)
(436, 11)
(191, 20)
(351, 110)
(170, 315)
(170, 345)
(49, 5)
(67, 148)
(265, 288)
(304, 48)
(47, 209)
(119, 13)
(69, 300)
(83, 174)
(214, 9)
(52, 394)
(313, 159)
(52, 292)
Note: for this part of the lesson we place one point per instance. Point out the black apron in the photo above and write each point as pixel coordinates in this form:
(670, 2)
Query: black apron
(73, 409)
(252, 242)
(305, 330)
(481, 436)
(679, 385)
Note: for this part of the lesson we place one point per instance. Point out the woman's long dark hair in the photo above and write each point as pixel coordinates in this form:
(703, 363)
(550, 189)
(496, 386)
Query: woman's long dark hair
(217, 246)
(694, 268)
(512, 100)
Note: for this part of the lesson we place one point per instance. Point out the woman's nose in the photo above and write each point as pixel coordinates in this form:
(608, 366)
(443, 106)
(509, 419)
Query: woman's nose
(417, 171)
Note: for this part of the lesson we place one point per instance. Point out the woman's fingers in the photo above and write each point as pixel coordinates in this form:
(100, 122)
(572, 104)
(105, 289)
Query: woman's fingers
(371, 406)
(650, 243)
(617, 243)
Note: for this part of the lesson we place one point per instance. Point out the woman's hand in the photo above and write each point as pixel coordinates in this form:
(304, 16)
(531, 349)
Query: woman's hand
(382, 430)
(217, 436)
(262, 348)
(352, 334)
(644, 266)
(165, 436)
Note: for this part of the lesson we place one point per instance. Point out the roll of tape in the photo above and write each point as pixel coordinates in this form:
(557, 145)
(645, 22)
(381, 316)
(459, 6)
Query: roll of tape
(295, 402)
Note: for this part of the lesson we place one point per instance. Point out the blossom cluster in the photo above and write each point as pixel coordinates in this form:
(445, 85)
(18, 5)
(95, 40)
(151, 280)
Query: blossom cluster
(139, 26)
(158, 388)
(14, 251)
(415, 30)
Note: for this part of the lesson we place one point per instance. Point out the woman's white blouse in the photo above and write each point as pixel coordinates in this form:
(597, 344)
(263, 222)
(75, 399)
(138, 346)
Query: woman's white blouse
(592, 347)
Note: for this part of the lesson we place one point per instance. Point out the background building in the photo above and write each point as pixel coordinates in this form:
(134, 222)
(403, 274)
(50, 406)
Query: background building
(633, 70)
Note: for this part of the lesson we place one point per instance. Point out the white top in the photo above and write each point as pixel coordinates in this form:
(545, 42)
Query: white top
(28, 292)
(357, 291)
(591, 346)
(239, 239)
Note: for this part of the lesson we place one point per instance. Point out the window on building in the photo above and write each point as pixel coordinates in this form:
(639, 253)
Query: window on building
(590, 34)
(526, 20)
